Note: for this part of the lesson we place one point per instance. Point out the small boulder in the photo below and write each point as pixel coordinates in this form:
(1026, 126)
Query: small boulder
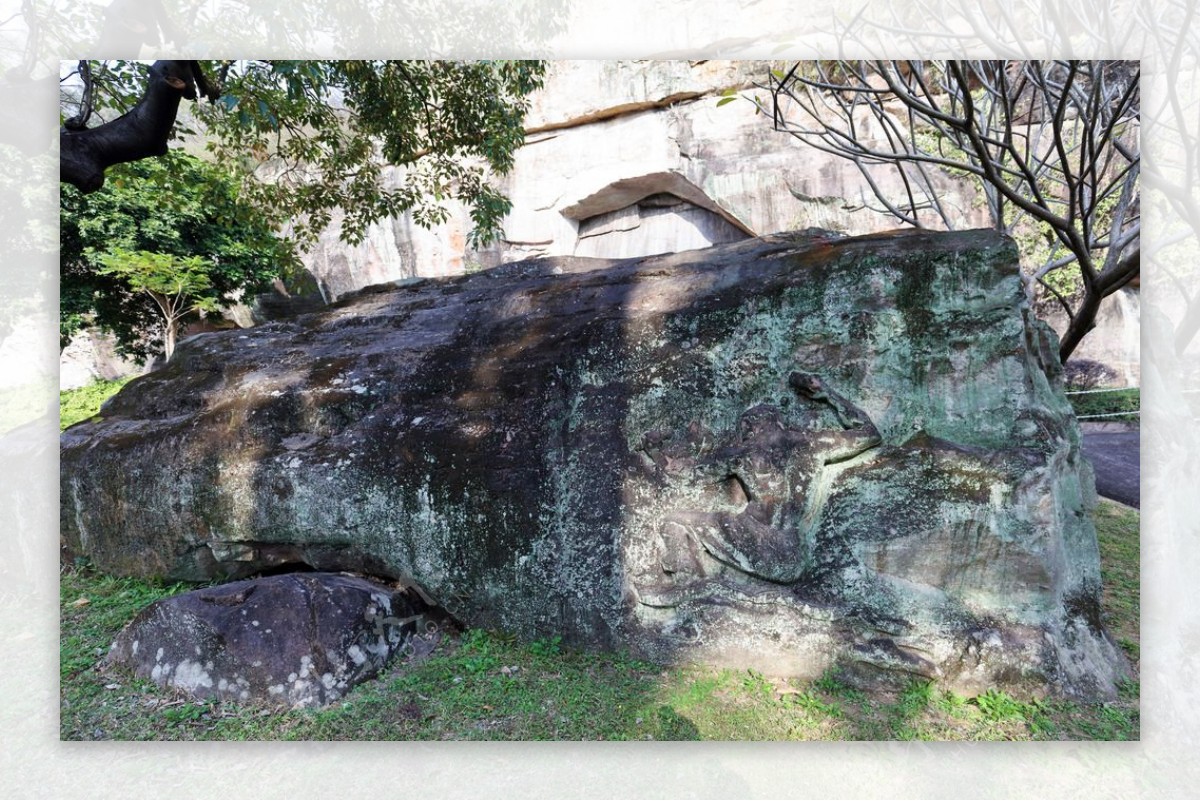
(297, 640)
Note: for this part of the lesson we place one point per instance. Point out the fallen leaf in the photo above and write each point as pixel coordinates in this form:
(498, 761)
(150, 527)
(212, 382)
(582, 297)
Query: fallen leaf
(81, 601)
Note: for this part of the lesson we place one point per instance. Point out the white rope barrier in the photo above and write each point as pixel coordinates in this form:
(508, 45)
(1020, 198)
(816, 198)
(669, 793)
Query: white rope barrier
(1093, 391)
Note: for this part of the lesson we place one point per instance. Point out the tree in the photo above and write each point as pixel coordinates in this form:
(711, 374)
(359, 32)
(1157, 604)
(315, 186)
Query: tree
(1053, 146)
(308, 137)
(174, 283)
(177, 205)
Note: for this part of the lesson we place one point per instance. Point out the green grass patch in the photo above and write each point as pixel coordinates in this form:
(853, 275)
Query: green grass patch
(481, 685)
(77, 405)
(1125, 404)
(93, 608)
(1117, 532)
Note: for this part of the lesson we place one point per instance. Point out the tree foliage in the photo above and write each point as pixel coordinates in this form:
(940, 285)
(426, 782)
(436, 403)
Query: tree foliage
(312, 137)
(176, 284)
(179, 206)
(1052, 145)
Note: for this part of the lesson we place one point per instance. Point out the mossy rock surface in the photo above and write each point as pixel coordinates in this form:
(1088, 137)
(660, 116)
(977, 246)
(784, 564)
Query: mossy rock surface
(791, 454)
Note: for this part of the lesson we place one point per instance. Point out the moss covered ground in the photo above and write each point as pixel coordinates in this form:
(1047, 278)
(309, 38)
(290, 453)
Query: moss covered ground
(479, 685)
(77, 405)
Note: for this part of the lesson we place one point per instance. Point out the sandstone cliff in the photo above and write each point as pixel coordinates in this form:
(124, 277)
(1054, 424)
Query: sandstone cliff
(603, 136)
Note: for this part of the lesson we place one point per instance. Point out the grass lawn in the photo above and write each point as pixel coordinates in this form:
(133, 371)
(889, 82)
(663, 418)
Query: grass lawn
(77, 405)
(486, 686)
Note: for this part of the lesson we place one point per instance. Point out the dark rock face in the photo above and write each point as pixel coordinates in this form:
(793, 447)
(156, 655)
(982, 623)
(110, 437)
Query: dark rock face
(791, 453)
(301, 639)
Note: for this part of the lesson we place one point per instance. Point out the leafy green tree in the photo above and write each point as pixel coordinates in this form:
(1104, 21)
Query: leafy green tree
(176, 284)
(176, 205)
(309, 137)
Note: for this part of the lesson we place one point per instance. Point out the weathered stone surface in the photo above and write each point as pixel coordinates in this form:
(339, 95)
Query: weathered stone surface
(301, 639)
(790, 453)
(90, 356)
(602, 136)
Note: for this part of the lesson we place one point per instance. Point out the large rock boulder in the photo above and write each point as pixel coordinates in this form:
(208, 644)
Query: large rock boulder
(295, 640)
(793, 453)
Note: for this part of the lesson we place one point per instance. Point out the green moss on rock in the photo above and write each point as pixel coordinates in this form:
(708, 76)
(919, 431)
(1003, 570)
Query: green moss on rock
(784, 454)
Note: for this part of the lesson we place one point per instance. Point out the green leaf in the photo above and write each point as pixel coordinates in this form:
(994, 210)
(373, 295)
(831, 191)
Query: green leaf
(464, 119)
(265, 111)
(725, 100)
(187, 211)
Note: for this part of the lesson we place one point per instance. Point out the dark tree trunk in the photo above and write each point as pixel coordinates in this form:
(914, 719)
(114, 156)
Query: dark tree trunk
(138, 134)
(1082, 322)
(1084, 319)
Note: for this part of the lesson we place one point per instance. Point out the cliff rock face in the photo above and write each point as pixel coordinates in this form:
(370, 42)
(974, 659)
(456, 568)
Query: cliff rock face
(790, 453)
(602, 137)
(91, 356)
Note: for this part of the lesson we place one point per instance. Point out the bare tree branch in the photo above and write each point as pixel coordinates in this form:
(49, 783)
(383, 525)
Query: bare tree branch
(80, 120)
(1049, 143)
